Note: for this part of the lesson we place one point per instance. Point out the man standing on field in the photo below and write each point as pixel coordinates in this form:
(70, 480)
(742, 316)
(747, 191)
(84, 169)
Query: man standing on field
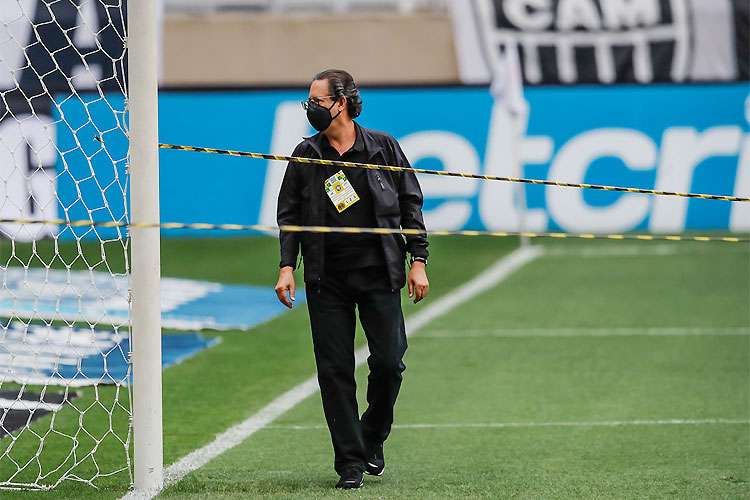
(344, 272)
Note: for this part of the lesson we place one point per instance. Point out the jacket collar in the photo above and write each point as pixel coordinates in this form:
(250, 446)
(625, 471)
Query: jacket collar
(371, 146)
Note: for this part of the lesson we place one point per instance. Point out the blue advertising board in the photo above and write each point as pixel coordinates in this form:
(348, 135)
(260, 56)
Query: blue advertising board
(669, 137)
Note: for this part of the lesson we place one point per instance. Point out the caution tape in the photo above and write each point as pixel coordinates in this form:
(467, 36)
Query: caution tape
(449, 173)
(375, 230)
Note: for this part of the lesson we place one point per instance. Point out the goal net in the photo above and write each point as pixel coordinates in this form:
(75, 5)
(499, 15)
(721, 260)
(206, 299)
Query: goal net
(65, 404)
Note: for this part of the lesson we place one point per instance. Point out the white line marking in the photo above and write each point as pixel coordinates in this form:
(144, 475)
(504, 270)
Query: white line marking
(285, 402)
(627, 250)
(630, 250)
(672, 331)
(504, 425)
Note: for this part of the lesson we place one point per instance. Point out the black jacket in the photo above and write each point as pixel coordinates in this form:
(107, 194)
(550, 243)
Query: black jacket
(397, 200)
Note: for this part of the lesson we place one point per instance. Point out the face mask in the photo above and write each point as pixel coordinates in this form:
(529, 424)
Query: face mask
(320, 116)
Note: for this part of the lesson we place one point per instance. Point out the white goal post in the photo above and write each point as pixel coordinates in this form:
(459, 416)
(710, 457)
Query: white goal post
(144, 206)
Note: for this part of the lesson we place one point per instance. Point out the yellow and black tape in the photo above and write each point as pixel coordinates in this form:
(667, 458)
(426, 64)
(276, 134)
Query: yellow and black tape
(448, 173)
(375, 230)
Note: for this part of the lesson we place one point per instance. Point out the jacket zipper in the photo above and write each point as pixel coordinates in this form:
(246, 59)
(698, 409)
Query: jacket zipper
(382, 186)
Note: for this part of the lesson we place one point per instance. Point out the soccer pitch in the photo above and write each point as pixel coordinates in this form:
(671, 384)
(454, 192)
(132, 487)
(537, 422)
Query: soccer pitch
(599, 369)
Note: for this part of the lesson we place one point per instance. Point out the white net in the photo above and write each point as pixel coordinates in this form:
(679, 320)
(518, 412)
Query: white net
(64, 322)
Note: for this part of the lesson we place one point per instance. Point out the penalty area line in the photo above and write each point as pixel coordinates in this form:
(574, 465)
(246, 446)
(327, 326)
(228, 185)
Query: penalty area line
(238, 433)
(583, 332)
(506, 425)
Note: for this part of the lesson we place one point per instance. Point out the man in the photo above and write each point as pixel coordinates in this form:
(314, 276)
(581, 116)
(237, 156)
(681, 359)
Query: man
(348, 271)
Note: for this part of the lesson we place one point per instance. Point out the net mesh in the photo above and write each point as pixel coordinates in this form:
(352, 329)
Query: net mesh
(64, 292)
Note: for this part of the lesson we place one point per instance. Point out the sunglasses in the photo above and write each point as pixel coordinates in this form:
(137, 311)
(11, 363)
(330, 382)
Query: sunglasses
(315, 100)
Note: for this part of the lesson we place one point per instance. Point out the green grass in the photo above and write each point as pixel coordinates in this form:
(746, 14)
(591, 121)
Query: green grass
(238, 376)
(486, 362)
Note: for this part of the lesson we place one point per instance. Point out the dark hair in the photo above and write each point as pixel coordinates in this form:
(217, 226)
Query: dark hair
(341, 84)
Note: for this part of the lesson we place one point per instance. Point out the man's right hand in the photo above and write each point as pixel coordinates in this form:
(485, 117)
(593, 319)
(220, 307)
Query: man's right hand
(285, 287)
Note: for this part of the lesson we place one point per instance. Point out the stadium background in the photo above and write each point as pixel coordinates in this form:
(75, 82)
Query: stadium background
(602, 332)
(665, 110)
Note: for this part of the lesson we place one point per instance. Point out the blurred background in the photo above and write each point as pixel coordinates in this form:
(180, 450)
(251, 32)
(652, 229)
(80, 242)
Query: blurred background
(647, 93)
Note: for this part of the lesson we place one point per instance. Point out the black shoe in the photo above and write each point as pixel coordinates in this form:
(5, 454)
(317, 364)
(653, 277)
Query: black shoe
(351, 479)
(375, 465)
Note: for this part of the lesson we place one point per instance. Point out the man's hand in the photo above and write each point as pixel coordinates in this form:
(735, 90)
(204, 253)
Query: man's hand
(417, 281)
(285, 287)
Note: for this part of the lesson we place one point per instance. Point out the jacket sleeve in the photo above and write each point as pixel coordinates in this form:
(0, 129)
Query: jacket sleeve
(410, 201)
(288, 213)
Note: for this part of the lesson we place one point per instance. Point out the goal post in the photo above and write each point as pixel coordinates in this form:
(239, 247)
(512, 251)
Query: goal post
(142, 44)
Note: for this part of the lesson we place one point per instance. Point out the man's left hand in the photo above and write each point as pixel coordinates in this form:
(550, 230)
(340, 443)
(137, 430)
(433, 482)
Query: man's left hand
(417, 281)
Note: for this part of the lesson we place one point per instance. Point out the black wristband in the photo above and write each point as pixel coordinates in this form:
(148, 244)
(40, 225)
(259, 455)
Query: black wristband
(419, 259)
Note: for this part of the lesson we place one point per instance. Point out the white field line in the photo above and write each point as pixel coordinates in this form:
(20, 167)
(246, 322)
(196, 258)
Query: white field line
(505, 425)
(288, 400)
(671, 331)
(645, 249)
(623, 250)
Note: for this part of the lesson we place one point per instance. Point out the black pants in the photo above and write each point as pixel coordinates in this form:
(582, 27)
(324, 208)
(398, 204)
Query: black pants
(331, 305)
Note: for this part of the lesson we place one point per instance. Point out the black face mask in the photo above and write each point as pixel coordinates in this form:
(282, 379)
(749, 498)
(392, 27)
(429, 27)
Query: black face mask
(320, 116)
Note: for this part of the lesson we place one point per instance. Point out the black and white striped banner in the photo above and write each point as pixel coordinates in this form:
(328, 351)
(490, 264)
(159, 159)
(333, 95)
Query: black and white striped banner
(605, 41)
